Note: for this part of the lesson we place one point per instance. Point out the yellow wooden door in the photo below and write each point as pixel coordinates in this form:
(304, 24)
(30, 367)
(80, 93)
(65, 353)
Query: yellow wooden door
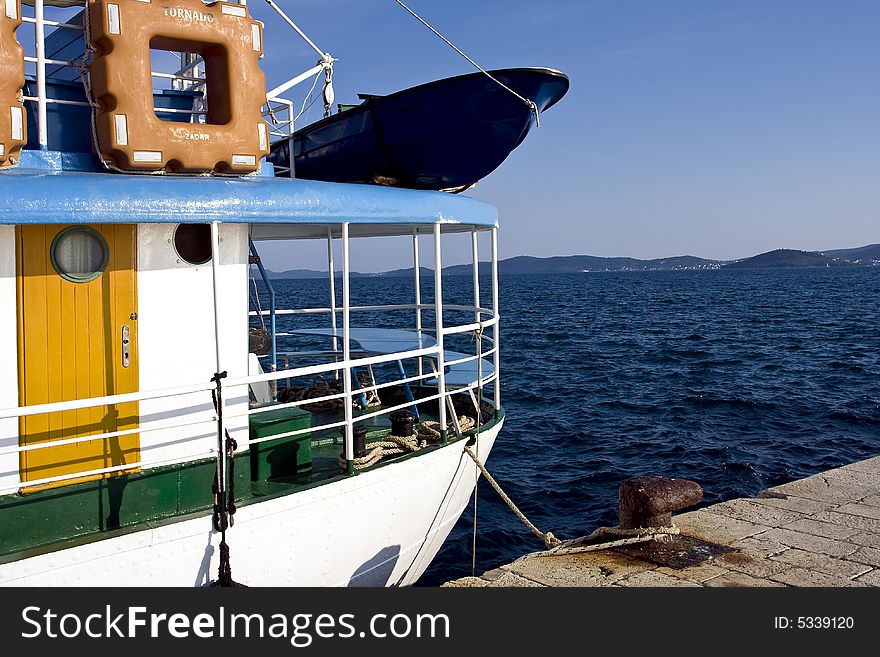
(77, 327)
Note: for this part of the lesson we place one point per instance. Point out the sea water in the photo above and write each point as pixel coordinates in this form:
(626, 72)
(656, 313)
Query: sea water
(736, 379)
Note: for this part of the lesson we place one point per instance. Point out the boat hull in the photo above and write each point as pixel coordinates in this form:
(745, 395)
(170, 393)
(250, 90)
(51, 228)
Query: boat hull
(382, 527)
(446, 134)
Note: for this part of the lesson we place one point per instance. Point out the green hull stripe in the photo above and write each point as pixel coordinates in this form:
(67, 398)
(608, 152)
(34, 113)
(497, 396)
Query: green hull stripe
(36, 523)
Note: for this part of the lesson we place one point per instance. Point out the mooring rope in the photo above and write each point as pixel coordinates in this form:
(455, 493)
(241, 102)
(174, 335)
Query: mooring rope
(550, 541)
(637, 535)
(531, 104)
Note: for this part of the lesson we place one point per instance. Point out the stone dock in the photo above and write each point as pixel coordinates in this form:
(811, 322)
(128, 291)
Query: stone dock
(822, 531)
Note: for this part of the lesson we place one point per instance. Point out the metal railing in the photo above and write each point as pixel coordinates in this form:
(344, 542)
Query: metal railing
(200, 444)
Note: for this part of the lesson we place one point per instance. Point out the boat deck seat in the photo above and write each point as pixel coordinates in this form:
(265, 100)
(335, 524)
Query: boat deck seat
(461, 375)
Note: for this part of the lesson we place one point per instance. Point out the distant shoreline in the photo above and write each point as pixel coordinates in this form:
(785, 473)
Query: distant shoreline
(865, 256)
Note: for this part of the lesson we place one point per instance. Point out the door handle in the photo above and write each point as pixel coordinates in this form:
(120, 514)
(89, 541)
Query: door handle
(126, 346)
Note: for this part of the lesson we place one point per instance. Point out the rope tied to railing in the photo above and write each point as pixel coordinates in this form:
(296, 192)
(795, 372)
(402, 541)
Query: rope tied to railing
(550, 541)
(530, 103)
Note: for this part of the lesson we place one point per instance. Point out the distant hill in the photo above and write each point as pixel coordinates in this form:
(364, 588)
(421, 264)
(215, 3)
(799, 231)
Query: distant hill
(869, 255)
(785, 258)
(586, 263)
(308, 273)
(858, 257)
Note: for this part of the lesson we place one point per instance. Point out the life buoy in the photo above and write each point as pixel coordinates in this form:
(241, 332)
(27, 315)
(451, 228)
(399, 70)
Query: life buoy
(13, 121)
(128, 134)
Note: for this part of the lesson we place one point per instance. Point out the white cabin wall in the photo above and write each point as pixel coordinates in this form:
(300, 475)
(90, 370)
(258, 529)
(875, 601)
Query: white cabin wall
(176, 339)
(9, 475)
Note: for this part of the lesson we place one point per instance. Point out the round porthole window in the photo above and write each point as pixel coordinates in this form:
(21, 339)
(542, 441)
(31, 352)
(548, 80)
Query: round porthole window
(193, 243)
(79, 254)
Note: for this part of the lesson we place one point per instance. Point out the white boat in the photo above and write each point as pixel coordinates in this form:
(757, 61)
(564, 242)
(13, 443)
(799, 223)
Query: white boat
(157, 428)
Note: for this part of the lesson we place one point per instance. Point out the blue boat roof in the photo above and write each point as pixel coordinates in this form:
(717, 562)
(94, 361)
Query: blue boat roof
(51, 188)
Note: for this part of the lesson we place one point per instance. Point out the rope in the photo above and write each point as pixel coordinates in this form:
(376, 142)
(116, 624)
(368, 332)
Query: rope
(550, 541)
(530, 103)
(392, 446)
(320, 388)
(308, 95)
(395, 445)
(638, 535)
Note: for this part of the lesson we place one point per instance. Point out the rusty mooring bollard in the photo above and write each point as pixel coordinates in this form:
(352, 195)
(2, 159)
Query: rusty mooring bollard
(650, 501)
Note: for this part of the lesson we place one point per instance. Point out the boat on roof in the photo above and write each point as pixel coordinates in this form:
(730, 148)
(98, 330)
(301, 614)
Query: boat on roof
(447, 134)
(166, 420)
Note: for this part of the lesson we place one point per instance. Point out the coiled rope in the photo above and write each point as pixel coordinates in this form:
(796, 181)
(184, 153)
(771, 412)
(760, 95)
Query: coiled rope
(427, 433)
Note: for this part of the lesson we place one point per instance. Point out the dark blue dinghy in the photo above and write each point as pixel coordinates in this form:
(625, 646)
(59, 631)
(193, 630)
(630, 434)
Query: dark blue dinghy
(446, 134)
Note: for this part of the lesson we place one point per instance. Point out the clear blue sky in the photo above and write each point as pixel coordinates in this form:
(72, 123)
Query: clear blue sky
(704, 127)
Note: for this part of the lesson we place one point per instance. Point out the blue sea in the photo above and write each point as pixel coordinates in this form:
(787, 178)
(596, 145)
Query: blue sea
(735, 379)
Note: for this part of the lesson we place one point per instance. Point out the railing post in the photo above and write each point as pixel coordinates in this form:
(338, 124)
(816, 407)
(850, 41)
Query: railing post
(40, 36)
(438, 312)
(332, 274)
(417, 279)
(346, 352)
(476, 271)
(272, 324)
(496, 329)
(218, 373)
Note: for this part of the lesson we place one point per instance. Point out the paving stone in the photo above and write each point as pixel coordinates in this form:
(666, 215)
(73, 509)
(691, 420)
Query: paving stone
(798, 504)
(466, 583)
(742, 562)
(873, 500)
(868, 539)
(823, 563)
(854, 522)
(867, 465)
(757, 546)
(856, 476)
(715, 528)
(871, 579)
(653, 578)
(859, 509)
(495, 573)
(803, 577)
(810, 543)
(585, 569)
(512, 580)
(753, 512)
(698, 574)
(866, 555)
(826, 527)
(736, 579)
(825, 489)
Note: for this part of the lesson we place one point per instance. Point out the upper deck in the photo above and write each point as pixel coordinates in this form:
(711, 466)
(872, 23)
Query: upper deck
(60, 176)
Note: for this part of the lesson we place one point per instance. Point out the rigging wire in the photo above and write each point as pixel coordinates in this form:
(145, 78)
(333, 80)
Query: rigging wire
(308, 95)
(527, 101)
